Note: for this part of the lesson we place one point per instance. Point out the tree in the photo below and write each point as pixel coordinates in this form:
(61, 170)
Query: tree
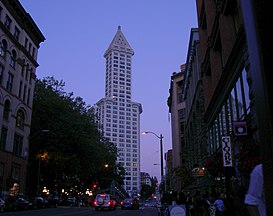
(75, 149)
(148, 190)
(185, 175)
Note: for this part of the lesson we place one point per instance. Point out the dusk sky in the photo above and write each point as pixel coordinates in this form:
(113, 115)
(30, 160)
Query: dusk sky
(79, 32)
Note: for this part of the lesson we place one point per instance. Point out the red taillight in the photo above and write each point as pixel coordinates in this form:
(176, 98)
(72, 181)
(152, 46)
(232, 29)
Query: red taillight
(95, 202)
(121, 203)
(109, 203)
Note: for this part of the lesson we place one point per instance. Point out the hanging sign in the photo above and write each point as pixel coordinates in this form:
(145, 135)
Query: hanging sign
(240, 128)
(227, 151)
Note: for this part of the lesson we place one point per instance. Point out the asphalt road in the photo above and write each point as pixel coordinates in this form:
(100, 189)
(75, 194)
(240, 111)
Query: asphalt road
(81, 211)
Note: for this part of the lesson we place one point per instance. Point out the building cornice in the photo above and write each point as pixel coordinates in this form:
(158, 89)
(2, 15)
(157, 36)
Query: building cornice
(24, 20)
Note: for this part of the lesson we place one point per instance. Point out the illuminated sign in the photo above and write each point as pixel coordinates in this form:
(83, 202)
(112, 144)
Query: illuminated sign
(227, 151)
(239, 128)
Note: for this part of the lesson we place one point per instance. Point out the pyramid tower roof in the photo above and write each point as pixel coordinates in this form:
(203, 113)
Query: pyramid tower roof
(119, 43)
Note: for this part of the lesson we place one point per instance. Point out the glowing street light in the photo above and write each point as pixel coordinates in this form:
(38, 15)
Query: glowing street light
(160, 137)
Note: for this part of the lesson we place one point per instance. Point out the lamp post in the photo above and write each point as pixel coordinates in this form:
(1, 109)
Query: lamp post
(160, 137)
(39, 159)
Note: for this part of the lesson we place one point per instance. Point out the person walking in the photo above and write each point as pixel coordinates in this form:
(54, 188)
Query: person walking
(254, 199)
(219, 206)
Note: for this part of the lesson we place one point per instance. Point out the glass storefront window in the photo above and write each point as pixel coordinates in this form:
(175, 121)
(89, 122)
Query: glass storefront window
(217, 134)
(240, 100)
(234, 109)
(246, 90)
(229, 115)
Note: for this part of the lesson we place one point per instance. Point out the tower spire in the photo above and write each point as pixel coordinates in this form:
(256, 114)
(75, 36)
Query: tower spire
(119, 43)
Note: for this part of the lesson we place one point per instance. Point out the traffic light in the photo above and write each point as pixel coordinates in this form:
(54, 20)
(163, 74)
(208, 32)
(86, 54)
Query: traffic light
(94, 186)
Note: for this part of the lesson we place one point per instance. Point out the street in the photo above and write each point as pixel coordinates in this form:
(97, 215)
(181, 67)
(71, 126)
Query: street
(79, 211)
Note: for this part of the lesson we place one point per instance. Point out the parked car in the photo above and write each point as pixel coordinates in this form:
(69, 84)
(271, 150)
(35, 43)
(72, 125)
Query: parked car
(15, 203)
(53, 201)
(105, 201)
(2, 205)
(130, 203)
(86, 202)
(38, 202)
(68, 201)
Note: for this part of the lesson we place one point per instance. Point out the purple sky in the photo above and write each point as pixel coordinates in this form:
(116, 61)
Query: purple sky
(79, 32)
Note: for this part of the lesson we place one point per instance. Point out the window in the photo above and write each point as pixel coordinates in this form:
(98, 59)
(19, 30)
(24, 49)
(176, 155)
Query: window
(18, 145)
(26, 42)
(16, 33)
(1, 74)
(15, 171)
(23, 68)
(181, 114)
(7, 22)
(13, 57)
(3, 48)
(29, 47)
(6, 110)
(27, 70)
(33, 52)
(28, 96)
(20, 119)
(24, 93)
(3, 140)
(10, 82)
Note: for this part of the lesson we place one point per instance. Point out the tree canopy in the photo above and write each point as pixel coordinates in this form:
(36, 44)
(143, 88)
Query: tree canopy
(65, 138)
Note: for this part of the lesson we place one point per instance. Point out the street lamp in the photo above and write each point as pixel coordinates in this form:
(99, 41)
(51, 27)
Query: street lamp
(160, 137)
(39, 159)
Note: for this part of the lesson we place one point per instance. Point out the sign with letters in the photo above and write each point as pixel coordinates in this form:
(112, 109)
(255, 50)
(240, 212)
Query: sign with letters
(227, 151)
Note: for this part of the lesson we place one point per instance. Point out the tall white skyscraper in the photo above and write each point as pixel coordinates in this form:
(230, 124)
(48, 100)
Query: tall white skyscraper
(119, 117)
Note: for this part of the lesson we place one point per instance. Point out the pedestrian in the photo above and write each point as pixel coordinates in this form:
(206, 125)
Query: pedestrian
(189, 205)
(197, 202)
(254, 198)
(219, 206)
(239, 198)
(181, 198)
(205, 205)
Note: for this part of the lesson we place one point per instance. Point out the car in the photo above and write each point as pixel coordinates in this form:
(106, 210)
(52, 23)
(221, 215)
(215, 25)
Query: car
(2, 205)
(130, 203)
(53, 201)
(86, 202)
(15, 203)
(105, 201)
(37, 202)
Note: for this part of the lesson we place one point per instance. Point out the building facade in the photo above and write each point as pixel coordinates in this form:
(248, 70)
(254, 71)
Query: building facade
(118, 115)
(195, 151)
(169, 183)
(219, 99)
(20, 40)
(176, 106)
(228, 97)
(145, 179)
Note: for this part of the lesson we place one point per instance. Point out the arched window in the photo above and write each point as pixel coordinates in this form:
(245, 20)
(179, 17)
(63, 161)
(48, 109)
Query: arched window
(6, 110)
(13, 57)
(3, 48)
(20, 119)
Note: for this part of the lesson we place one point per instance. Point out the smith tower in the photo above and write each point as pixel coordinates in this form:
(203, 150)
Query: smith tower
(119, 117)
